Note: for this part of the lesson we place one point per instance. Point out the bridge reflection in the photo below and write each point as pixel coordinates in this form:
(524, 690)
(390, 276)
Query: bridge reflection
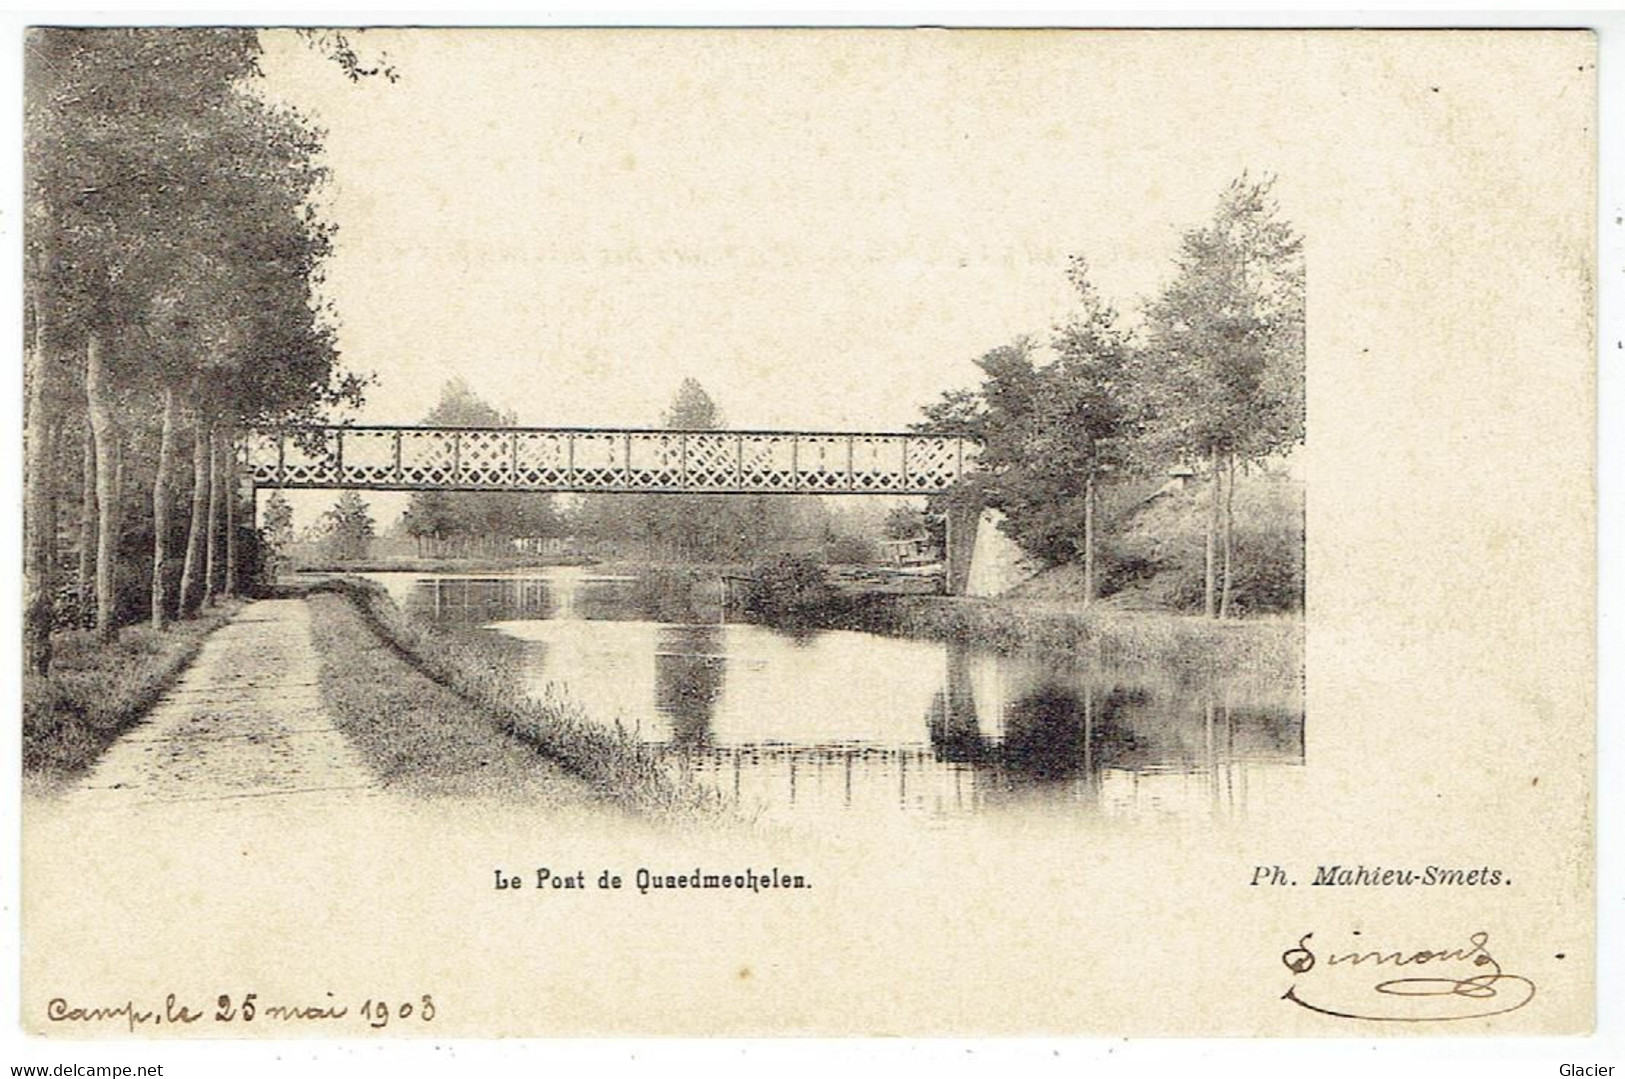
(1122, 750)
(849, 722)
(479, 601)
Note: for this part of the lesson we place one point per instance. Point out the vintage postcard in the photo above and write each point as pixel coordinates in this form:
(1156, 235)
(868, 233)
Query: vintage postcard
(808, 532)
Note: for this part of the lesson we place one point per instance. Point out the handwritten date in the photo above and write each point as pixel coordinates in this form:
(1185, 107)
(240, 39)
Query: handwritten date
(375, 1013)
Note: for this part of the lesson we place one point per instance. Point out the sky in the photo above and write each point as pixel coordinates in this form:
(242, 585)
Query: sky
(825, 229)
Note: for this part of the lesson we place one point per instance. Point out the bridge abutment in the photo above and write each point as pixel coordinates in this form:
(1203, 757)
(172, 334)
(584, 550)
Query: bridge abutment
(959, 545)
(996, 563)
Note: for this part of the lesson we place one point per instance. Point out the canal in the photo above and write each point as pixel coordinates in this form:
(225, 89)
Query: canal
(793, 724)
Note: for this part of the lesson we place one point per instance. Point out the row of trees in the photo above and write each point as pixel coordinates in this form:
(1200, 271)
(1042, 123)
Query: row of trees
(698, 527)
(459, 523)
(1212, 378)
(687, 527)
(172, 255)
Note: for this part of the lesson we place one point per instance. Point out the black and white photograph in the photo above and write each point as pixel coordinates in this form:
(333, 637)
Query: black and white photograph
(537, 532)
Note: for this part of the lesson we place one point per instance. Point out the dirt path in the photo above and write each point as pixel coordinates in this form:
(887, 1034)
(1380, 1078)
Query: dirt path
(246, 720)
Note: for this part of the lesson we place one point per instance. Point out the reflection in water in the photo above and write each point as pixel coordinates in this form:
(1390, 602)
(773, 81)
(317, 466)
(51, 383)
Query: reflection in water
(689, 666)
(478, 601)
(842, 722)
(1106, 742)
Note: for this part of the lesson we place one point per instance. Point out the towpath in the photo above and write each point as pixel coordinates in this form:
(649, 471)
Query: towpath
(245, 721)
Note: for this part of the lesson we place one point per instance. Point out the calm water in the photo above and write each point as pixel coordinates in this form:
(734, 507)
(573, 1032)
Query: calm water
(837, 721)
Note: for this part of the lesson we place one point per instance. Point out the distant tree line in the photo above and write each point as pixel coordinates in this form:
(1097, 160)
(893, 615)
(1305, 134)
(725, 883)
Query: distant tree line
(659, 527)
(698, 527)
(1213, 379)
(171, 261)
(461, 523)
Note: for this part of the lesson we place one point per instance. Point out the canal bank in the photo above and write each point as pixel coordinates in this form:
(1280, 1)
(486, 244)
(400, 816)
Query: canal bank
(791, 719)
(1268, 649)
(1264, 647)
(441, 710)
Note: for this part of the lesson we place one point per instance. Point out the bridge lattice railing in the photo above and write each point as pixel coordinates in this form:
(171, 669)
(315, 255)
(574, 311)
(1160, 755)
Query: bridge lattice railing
(610, 460)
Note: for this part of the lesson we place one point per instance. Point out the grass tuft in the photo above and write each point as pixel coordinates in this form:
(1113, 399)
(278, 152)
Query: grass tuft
(95, 691)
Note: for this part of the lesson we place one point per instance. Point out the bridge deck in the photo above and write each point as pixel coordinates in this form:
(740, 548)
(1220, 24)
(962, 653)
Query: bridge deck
(606, 460)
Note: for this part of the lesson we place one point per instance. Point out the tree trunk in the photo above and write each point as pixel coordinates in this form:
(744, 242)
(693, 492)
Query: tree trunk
(211, 541)
(229, 465)
(53, 532)
(192, 566)
(106, 436)
(1209, 608)
(86, 580)
(160, 512)
(115, 516)
(39, 608)
(1089, 536)
(1228, 531)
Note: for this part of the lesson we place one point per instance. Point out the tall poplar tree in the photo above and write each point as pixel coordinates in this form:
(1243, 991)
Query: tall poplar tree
(171, 256)
(1224, 364)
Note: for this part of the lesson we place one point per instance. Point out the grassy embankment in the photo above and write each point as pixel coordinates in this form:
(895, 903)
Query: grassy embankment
(95, 692)
(1151, 571)
(439, 708)
(1186, 647)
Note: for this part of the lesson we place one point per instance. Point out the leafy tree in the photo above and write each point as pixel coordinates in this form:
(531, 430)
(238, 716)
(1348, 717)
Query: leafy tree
(692, 409)
(339, 46)
(1224, 366)
(1048, 431)
(1219, 378)
(276, 524)
(348, 529)
(171, 252)
(1085, 408)
(486, 518)
(700, 526)
(108, 113)
(994, 414)
(130, 116)
(956, 414)
(690, 525)
(430, 516)
(902, 522)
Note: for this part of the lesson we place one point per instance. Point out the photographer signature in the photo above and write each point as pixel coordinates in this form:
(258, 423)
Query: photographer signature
(1464, 982)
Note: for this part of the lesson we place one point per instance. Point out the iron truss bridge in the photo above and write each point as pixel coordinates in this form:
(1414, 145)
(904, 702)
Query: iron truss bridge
(601, 459)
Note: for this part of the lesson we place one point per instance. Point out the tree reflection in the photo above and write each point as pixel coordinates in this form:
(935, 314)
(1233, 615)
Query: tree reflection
(1046, 733)
(956, 734)
(689, 671)
(1064, 725)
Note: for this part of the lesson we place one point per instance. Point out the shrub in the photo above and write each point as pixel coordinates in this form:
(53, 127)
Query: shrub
(1159, 555)
(789, 585)
(852, 550)
(671, 593)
